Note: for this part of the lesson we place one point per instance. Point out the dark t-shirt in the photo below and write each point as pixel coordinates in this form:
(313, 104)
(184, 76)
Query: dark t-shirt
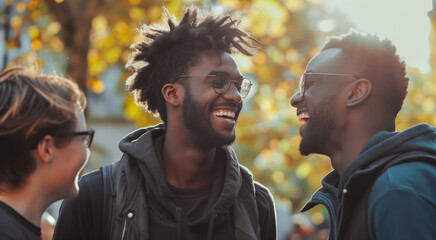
(193, 202)
(13, 226)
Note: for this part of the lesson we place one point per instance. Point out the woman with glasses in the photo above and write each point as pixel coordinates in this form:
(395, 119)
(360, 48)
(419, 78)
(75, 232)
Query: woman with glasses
(44, 143)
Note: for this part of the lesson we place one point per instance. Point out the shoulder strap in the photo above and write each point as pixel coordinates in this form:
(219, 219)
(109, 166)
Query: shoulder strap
(108, 197)
(116, 202)
(246, 207)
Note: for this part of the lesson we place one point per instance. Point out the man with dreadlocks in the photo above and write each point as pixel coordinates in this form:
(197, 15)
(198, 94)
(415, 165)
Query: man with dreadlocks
(179, 179)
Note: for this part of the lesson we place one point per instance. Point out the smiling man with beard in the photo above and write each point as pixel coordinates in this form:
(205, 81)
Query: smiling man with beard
(382, 185)
(179, 179)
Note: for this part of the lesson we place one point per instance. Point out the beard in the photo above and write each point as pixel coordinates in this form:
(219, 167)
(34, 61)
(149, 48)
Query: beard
(319, 128)
(196, 118)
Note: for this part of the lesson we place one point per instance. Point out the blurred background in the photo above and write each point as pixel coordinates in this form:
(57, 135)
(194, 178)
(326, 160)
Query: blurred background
(88, 40)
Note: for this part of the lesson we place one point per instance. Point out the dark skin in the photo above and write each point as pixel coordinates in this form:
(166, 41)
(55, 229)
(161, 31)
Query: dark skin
(188, 163)
(358, 116)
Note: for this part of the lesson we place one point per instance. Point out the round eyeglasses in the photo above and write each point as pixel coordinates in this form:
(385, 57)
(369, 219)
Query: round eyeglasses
(304, 83)
(88, 136)
(221, 83)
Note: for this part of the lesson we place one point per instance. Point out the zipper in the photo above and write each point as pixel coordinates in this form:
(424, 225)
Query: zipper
(343, 193)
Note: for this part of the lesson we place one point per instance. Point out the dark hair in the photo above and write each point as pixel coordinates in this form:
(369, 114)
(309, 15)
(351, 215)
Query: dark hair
(377, 61)
(168, 51)
(32, 106)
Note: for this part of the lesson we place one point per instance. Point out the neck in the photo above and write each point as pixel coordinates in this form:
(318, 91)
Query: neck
(354, 139)
(186, 164)
(347, 152)
(28, 201)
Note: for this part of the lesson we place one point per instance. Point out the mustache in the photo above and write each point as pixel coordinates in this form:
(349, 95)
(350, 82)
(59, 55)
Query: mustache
(227, 104)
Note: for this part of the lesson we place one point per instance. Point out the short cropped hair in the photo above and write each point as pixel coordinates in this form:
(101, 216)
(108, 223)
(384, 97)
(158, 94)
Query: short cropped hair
(32, 105)
(168, 51)
(377, 61)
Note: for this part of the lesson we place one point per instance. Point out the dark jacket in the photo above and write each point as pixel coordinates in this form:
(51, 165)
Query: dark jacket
(387, 192)
(139, 186)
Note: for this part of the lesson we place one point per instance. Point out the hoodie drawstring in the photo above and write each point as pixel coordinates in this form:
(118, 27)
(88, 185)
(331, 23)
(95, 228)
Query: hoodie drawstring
(211, 223)
(179, 217)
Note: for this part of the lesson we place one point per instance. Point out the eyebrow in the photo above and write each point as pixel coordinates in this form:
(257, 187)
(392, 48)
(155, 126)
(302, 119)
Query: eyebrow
(219, 72)
(225, 73)
(311, 77)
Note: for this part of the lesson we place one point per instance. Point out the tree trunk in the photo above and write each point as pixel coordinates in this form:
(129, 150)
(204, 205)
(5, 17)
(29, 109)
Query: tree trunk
(7, 27)
(76, 18)
(77, 65)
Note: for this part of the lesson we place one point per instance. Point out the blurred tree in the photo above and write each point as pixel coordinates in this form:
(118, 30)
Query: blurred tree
(6, 27)
(75, 18)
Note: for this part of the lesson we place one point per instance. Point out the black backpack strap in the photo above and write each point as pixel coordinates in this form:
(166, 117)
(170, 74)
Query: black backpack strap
(248, 203)
(108, 198)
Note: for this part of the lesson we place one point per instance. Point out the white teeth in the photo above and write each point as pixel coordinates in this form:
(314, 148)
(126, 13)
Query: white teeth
(222, 113)
(303, 115)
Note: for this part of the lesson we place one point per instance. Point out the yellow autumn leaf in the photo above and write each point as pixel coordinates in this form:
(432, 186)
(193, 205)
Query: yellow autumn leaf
(21, 7)
(36, 45)
(33, 32)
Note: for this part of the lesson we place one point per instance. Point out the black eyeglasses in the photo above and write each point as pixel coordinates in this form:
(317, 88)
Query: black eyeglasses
(221, 83)
(88, 136)
(303, 80)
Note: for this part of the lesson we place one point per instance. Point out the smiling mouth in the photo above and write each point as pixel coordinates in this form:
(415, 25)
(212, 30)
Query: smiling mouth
(226, 114)
(303, 117)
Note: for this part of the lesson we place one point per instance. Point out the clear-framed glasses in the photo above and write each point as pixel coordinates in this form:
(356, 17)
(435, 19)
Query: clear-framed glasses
(88, 136)
(221, 83)
(304, 83)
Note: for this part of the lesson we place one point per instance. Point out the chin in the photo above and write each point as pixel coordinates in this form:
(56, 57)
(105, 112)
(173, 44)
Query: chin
(313, 148)
(217, 139)
(225, 139)
(304, 151)
(307, 148)
(227, 143)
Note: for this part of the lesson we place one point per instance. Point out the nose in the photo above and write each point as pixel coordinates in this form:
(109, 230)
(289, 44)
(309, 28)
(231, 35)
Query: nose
(296, 99)
(233, 94)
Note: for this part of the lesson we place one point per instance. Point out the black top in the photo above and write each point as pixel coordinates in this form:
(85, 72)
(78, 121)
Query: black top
(193, 201)
(16, 227)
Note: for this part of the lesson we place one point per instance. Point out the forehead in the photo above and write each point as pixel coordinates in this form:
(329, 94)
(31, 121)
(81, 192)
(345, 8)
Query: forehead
(327, 61)
(211, 60)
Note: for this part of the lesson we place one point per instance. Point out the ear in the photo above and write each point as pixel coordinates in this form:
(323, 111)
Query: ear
(171, 93)
(45, 149)
(359, 91)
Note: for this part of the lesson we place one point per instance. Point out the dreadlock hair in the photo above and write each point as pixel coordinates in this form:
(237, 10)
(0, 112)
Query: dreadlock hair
(169, 51)
(377, 61)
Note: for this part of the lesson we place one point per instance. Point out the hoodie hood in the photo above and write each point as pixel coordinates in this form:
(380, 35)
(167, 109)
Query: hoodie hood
(140, 145)
(420, 138)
